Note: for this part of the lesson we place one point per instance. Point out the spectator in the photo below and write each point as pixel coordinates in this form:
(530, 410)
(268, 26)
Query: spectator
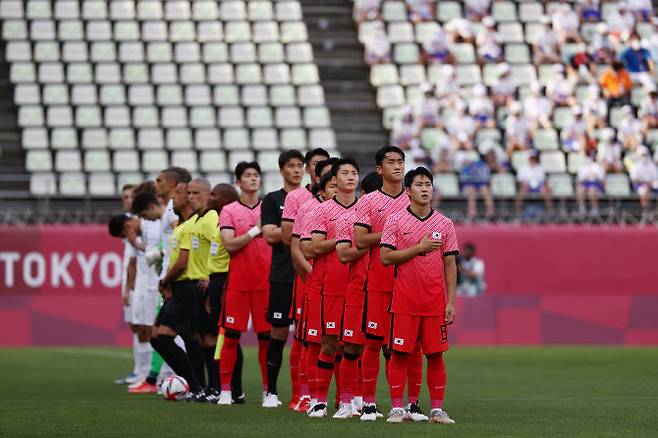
(474, 178)
(609, 152)
(637, 60)
(460, 30)
(580, 68)
(566, 24)
(537, 108)
(601, 48)
(546, 50)
(649, 111)
(503, 89)
(481, 108)
(532, 179)
(616, 86)
(378, 48)
(367, 10)
(594, 109)
(436, 49)
(560, 89)
(492, 159)
(489, 43)
(447, 90)
(461, 128)
(574, 135)
(644, 177)
(517, 129)
(590, 179)
(641, 9)
(621, 23)
(651, 42)
(428, 109)
(420, 10)
(470, 273)
(589, 11)
(476, 10)
(406, 130)
(444, 161)
(629, 131)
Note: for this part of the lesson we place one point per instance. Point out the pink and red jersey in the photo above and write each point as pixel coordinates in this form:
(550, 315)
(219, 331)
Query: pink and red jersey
(250, 267)
(359, 267)
(302, 216)
(333, 274)
(419, 287)
(374, 210)
(294, 201)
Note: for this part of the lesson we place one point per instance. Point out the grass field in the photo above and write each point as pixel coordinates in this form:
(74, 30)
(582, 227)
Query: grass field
(578, 391)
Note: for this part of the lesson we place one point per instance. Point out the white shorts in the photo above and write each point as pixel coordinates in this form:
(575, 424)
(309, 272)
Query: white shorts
(144, 303)
(127, 310)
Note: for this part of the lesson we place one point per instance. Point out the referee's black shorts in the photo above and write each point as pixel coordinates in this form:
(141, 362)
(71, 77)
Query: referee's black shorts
(180, 311)
(278, 312)
(209, 322)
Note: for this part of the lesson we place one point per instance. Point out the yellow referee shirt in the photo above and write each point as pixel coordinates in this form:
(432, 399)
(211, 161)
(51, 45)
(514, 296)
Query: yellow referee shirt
(181, 238)
(202, 231)
(219, 258)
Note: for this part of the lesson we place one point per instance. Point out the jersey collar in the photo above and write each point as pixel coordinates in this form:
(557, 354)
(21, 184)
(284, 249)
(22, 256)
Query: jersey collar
(344, 206)
(392, 197)
(250, 208)
(422, 219)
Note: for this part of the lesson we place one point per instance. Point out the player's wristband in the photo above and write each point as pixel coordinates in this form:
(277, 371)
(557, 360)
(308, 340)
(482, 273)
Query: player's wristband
(255, 231)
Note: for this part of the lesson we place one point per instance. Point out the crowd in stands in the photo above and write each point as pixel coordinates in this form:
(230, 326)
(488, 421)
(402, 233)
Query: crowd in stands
(557, 87)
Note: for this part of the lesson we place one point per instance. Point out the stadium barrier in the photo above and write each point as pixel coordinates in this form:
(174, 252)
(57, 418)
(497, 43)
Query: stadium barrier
(59, 285)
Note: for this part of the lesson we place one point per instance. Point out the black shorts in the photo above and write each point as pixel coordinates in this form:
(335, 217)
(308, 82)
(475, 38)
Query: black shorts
(209, 322)
(180, 311)
(278, 312)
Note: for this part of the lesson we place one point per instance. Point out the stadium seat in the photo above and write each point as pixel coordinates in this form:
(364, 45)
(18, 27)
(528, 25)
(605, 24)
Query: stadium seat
(503, 185)
(503, 11)
(38, 161)
(212, 161)
(561, 185)
(282, 95)
(394, 11)
(43, 184)
(546, 140)
(617, 185)
(390, 95)
(63, 138)
(184, 159)
(125, 161)
(383, 74)
(154, 160)
(406, 53)
(264, 138)
(102, 184)
(447, 10)
(68, 161)
(553, 161)
(35, 138)
(72, 184)
(464, 53)
(447, 184)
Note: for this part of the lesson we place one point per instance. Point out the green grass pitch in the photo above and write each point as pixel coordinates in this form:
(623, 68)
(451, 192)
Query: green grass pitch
(574, 391)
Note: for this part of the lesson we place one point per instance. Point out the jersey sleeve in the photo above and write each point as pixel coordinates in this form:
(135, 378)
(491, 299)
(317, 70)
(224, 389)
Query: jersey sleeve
(450, 245)
(318, 221)
(210, 225)
(307, 227)
(390, 234)
(226, 219)
(290, 207)
(268, 211)
(363, 219)
(186, 238)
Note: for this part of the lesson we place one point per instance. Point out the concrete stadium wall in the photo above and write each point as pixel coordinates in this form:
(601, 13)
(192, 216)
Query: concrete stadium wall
(59, 285)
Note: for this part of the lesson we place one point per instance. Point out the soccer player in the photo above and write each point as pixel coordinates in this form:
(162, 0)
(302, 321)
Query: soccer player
(291, 166)
(352, 335)
(247, 286)
(334, 275)
(373, 210)
(422, 244)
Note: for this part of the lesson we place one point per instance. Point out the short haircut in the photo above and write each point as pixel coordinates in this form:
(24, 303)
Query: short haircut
(286, 156)
(381, 153)
(178, 174)
(314, 153)
(144, 187)
(116, 224)
(243, 166)
(371, 182)
(470, 246)
(418, 171)
(319, 167)
(142, 202)
(342, 162)
(324, 180)
(127, 187)
(315, 188)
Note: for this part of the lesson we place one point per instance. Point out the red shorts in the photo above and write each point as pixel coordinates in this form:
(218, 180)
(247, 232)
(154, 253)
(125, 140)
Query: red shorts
(377, 318)
(353, 325)
(332, 314)
(238, 305)
(408, 330)
(354, 297)
(297, 300)
(313, 319)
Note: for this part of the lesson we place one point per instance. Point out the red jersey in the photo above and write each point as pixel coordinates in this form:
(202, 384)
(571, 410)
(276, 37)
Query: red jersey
(303, 226)
(294, 201)
(333, 274)
(419, 287)
(358, 267)
(250, 266)
(375, 208)
(302, 216)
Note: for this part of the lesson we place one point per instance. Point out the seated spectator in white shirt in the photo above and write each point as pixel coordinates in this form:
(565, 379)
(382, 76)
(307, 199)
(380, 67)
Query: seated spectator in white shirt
(629, 130)
(532, 179)
(566, 23)
(538, 108)
(590, 179)
(560, 89)
(641, 9)
(503, 89)
(476, 10)
(601, 48)
(649, 111)
(489, 43)
(644, 176)
(460, 30)
(621, 23)
(517, 129)
(547, 48)
(406, 130)
(595, 108)
(461, 128)
(378, 48)
(470, 273)
(420, 10)
(436, 48)
(367, 10)
(481, 108)
(609, 152)
(447, 89)
(574, 135)
(428, 109)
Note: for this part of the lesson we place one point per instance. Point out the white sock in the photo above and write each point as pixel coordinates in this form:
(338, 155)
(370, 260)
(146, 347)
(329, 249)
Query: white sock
(135, 349)
(143, 358)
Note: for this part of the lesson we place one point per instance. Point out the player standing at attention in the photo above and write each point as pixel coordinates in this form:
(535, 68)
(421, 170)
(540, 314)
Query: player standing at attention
(335, 275)
(247, 285)
(294, 200)
(374, 208)
(291, 166)
(352, 335)
(422, 244)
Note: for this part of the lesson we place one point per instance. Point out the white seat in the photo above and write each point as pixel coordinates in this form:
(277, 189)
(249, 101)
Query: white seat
(112, 94)
(184, 159)
(99, 30)
(197, 95)
(97, 161)
(150, 138)
(235, 157)
(11, 9)
(125, 161)
(447, 184)
(231, 117)
(122, 138)
(132, 51)
(203, 117)
(288, 10)
(72, 184)
(14, 30)
(503, 11)
(231, 10)
(102, 184)
(38, 161)
(269, 160)
(102, 51)
(117, 117)
(27, 94)
(400, 32)
(70, 30)
(235, 31)
(299, 53)
(260, 10)
(259, 117)
(553, 161)
(394, 11)
(225, 95)
(68, 161)
(236, 138)
(146, 117)
(164, 73)
(174, 117)
(154, 31)
(282, 95)
(187, 52)
(383, 74)
(42, 30)
(128, 178)
(94, 138)
(276, 74)
(407, 53)
(106, 73)
(293, 31)
(243, 52)
(18, 51)
(126, 31)
(213, 52)
(503, 185)
(310, 95)
(63, 138)
(254, 95)
(149, 10)
(83, 94)
(135, 73)
(35, 138)
(265, 31)
(412, 74)
(88, 116)
(322, 138)
(264, 138)
(205, 10)
(220, 74)
(192, 73)
(390, 95)
(179, 138)
(122, 10)
(560, 184)
(141, 95)
(94, 10)
(30, 115)
(177, 10)
(51, 72)
(169, 95)
(207, 138)
(74, 51)
(43, 184)
(212, 161)
(182, 31)
(22, 72)
(304, 74)
(45, 51)
(154, 161)
(288, 117)
(316, 117)
(425, 30)
(209, 31)
(617, 185)
(248, 74)
(294, 138)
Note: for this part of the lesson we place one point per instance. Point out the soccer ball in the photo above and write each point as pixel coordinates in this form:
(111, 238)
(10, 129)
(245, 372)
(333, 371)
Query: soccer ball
(174, 388)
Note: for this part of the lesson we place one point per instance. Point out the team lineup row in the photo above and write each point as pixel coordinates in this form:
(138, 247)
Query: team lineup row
(355, 276)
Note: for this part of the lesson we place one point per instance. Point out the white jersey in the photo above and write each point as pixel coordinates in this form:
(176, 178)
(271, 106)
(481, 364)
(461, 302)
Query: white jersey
(167, 222)
(128, 252)
(147, 276)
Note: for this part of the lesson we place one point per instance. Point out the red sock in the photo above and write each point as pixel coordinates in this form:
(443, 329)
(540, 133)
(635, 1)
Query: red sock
(295, 354)
(397, 373)
(370, 369)
(263, 344)
(229, 356)
(312, 368)
(349, 377)
(303, 374)
(339, 388)
(436, 379)
(325, 370)
(414, 374)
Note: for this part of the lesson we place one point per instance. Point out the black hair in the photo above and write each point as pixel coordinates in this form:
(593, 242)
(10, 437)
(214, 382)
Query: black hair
(371, 182)
(286, 156)
(341, 162)
(315, 188)
(142, 202)
(381, 153)
(178, 174)
(243, 166)
(116, 224)
(418, 171)
(471, 246)
(617, 65)
(315, 152)
(324, 180)
(322, 164)
(144, 187)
